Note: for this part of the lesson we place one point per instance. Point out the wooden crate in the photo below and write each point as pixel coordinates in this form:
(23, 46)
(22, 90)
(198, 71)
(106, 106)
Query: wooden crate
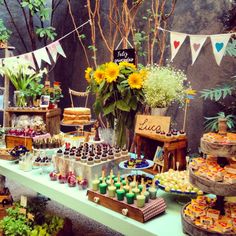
(150, 210)
(12, 141)
(51, 117)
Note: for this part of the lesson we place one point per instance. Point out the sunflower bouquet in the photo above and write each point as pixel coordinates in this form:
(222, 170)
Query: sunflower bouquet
(119, 94)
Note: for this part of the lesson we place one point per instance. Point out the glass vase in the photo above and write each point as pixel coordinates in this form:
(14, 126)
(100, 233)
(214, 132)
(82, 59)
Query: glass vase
(19, 99)
(120, 133)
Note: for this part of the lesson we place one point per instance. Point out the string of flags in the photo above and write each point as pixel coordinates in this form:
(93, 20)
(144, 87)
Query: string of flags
(35, 58)
(191, 93)
(219, 43)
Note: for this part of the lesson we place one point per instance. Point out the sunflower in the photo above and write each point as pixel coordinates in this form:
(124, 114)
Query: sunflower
(127, 64)
(135, 81)
(99, 76)
(143, 73)
(111, 72)
(87, 74)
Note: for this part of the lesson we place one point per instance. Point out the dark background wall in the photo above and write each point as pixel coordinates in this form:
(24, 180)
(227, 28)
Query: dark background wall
(194, 17)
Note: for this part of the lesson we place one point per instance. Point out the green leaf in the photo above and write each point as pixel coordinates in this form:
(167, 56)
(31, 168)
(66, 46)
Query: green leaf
(109, 109)
(133, 103)
(120, 104)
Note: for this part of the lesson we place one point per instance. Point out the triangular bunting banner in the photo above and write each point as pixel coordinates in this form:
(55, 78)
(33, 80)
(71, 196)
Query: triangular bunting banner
(219, 43)
(41, 54)
(29, 58)
(176, 40)
(196, 43)
(60, 49)
(53, 51)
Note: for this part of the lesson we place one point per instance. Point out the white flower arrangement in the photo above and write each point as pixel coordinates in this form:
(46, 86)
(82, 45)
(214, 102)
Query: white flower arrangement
(163, 86)
(19, 73)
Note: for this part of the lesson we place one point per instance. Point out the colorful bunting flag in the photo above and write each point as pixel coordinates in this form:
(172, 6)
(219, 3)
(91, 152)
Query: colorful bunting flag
(60, 49)
(196, 43)
(41, 55)
(176, 40)
(29, 58)
(219, 43)
(53, 51)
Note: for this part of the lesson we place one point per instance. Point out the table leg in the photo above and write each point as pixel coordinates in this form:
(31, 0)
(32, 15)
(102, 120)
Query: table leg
(166, 161)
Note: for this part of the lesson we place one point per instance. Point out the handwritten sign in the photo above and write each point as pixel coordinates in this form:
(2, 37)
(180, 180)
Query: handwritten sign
(150, 125)
(124, 55)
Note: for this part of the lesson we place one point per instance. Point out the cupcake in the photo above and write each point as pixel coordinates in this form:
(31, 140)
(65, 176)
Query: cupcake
(169, 135)
(37, 161)
(72, 155)
(117, 153)
(45, 161)
(158, 132)
(110, 154)
(104, 157)
(175, 134)
(78, 156)
(124, 151)
(97, 159)
(59, 153)
(99, 153)
(163, 133)
(182, 133)
(66, 154)
(90, 161)
(83, 159)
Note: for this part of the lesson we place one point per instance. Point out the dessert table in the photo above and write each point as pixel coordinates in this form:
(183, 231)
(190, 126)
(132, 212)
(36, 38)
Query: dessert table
(167, 224)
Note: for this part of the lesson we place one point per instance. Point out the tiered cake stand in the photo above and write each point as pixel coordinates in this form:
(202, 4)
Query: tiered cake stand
(224, 152)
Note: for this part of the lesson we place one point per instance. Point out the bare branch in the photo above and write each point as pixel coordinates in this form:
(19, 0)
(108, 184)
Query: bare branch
(77, 32)
(14, 24)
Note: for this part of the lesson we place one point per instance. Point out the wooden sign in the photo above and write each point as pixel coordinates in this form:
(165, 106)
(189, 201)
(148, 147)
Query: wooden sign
(124, 55)
(150, 125)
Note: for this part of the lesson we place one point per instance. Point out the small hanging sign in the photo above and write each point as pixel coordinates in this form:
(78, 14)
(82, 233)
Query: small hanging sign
(124, 55)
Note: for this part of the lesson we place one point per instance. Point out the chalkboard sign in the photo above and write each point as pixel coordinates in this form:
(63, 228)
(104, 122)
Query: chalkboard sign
(124, 55)
(150, 125)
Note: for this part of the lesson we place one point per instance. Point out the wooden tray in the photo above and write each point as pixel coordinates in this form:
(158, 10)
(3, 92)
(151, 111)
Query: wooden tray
(218, 149)
(150, 210)
(5, 155)
(191, 229)
(209, 186)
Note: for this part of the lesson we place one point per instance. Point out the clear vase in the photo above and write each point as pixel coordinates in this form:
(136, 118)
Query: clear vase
(120, 133)
(19, 99)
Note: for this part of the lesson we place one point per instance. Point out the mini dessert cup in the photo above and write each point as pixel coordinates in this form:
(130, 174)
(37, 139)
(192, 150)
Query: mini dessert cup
(90, 161)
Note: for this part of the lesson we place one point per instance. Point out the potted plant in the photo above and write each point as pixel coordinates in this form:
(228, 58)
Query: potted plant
(22, 77)
(220, 122)
(34, 92)
(55, 94)
(119, 95)
(33, 220)
(4, 35)
(163, 86)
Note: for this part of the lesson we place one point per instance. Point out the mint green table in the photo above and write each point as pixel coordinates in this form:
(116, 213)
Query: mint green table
(168, 224)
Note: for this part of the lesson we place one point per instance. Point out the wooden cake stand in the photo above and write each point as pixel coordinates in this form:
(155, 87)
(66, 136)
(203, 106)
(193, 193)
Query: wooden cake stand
(192, 229)
(224, 152)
